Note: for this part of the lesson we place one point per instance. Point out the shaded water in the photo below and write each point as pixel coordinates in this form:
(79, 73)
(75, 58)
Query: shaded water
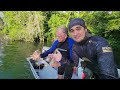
(13, 63)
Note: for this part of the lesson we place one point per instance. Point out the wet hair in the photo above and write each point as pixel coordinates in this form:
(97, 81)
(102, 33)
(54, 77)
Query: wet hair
(63, 28)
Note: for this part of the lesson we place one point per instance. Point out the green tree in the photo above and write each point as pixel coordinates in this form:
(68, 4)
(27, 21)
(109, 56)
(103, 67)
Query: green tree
(23, 25)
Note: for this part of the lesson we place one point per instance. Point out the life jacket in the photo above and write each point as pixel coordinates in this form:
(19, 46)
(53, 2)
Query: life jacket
(63, 47)
(84, 72)
(88, 73)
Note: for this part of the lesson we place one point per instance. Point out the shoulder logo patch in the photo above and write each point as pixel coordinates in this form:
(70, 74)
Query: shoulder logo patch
(106, 49)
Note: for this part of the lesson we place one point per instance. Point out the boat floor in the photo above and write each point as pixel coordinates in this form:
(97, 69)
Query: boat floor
(47, 72)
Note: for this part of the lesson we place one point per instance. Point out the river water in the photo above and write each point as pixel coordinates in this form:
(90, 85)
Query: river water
(13, 63)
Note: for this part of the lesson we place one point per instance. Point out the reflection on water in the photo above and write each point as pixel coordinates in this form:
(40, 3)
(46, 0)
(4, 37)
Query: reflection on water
(13, 63)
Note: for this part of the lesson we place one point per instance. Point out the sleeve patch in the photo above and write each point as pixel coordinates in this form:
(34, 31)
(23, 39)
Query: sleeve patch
(106, 49)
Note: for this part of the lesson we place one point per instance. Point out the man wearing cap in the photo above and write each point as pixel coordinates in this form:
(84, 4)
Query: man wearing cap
(95, 49)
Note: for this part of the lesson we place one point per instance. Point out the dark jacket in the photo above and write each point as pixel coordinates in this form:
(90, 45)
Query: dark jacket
(64, 47)
(98, 51)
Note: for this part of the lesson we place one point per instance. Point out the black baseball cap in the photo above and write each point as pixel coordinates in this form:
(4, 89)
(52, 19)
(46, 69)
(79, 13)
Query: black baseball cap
(76, 21)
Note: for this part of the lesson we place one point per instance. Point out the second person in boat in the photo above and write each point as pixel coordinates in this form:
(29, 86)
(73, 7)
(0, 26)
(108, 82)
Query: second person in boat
(64, 46)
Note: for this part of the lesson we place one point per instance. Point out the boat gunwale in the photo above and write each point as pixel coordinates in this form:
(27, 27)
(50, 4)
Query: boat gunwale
(32, 69)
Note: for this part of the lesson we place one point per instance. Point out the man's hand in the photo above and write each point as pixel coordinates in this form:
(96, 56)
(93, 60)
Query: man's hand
(55, 64)
(36, 55)
(56, 57)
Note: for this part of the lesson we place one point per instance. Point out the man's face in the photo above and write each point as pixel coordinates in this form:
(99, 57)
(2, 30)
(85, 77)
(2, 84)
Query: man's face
(61, 36)
(78, 33)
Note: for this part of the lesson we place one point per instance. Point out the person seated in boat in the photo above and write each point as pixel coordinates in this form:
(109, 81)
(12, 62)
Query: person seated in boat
(64, 45)
(95, 48)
